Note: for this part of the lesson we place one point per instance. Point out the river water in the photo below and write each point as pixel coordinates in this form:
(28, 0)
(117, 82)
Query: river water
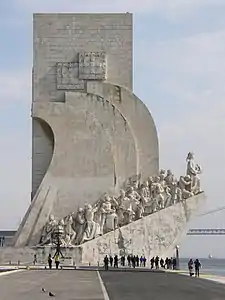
(209, 266)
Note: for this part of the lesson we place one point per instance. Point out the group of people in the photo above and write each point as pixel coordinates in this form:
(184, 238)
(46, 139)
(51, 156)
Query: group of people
(155, 263)
(168, 263)
(136, 261)
(136, 200)
(132, 261)
(194, 267)
(56, 258)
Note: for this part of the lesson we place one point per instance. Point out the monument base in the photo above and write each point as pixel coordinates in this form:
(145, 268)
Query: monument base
(155, 234)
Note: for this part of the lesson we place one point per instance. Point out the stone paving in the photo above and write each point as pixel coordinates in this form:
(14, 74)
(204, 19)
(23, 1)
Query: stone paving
(65, 284)
(160, 286)
(79, 284)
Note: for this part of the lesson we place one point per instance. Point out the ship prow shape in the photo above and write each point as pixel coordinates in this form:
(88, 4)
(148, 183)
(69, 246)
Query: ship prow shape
(155, 234)
(149, 217)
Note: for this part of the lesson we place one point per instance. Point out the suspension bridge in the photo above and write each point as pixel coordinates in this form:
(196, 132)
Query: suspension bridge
(208, 231)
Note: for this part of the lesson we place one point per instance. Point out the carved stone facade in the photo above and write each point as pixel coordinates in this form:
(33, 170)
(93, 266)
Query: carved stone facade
(68, 76)
(92, 65)
(72, 75)
(99, 134)
(155, 234)
(136, 201)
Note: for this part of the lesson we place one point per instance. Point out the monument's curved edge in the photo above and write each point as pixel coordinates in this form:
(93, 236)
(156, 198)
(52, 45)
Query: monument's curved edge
(139, 119)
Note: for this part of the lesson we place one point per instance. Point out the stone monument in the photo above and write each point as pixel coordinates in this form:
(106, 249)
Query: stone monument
(95, 161)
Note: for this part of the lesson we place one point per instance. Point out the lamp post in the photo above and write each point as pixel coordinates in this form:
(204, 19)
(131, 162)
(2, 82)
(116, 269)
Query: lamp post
(177, 258)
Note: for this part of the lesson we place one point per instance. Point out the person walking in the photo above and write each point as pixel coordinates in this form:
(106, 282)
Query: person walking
(111, 261)
(106, 263)
(122, 260)
(141, 261)
(190, 267)
(137, 260)
(167, 263)
(116, 259)
(174, 263)
(157, 262)
(152, 262)
(50, 261)
(162, 265)
(197, 267)
(57, 261)
(144, 261)
(129, 260)
(35, 259)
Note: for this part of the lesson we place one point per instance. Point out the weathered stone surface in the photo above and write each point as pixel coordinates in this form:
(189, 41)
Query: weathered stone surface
(156, 234)
(68, 76)
(58, 39)
(92, 65)
(97, 146)
(90, 134)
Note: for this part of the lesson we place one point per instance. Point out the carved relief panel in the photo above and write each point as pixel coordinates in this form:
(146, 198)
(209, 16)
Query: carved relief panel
(72, 75)
(92, 65)
(67, 76)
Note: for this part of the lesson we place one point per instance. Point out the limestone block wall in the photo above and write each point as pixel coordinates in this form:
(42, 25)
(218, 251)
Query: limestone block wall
(59, 38)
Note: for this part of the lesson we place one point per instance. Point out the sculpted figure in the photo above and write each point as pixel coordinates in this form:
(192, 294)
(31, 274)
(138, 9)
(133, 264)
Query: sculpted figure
(176, 193)
(157, 188)
(144, 192)
(79, 223)
(46, 236)
(126, 203)
(159, 196)
(70, 234)
(154, 205)
(60, 230)
(162, 176)
(185, 186)
(150, 183)
(133, 181)
(179, 195)
(119, 208)
(162, 173)
(168, 196)
(170, 178)
(139, 210)
(133, 194)
(103, 211)
(129, 216)
(127, 207)
(193, 170)
(111, 220)
(134, 197)
(92, 229)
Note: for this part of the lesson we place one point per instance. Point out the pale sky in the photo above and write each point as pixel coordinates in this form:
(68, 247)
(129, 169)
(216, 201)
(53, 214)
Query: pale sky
(179, 73)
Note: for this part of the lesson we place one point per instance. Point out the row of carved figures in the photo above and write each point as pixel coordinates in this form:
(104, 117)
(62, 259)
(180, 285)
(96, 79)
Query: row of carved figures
(135, 201)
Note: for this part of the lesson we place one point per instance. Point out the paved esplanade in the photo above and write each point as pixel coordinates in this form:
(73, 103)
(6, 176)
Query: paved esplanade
(66, 285)
(69, 285)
